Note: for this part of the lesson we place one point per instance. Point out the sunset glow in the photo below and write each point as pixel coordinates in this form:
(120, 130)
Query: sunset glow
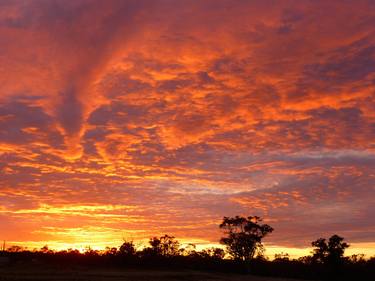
(131, 119)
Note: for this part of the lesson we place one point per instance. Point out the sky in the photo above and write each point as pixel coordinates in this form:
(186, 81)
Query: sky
(130, 119)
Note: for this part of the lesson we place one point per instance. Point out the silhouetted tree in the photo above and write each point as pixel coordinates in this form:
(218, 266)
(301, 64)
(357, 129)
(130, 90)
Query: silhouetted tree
(110, 251)
(127, 249)
(190, 250)
(354, 268)
(165, 245)
(244, 236)
(357, 258)
(155, 245)
(321, 250)
(15, 249)
(45, 249)
(329, 252)
(90, 251)
(215, 253)
(282, 257)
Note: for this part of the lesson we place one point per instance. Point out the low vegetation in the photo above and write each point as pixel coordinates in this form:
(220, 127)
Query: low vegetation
(244, 254)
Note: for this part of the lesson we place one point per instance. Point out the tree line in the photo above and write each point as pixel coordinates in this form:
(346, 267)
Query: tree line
(244, 253)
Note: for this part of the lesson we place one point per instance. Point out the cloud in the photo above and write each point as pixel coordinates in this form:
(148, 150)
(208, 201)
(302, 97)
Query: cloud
(164, 116)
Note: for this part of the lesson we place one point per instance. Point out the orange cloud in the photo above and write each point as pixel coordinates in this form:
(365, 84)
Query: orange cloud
(162, 117)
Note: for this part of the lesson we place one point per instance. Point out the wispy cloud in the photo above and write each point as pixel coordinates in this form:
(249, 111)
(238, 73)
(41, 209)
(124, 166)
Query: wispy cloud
(164, 116)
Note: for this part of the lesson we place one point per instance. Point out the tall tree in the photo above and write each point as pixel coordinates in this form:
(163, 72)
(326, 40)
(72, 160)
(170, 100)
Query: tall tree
(331, 251)
(165, 245)
(244, 236)
(127, 249)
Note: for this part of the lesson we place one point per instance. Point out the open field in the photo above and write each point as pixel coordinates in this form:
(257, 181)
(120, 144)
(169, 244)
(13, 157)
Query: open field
(18, 274)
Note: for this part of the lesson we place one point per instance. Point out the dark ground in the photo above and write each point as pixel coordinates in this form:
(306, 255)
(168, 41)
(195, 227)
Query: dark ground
(17, 273)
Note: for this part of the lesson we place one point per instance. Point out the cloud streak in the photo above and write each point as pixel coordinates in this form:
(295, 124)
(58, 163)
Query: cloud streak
(163, 117)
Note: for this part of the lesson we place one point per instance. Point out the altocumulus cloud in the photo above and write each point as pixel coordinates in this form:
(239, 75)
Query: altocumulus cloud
(164, 116)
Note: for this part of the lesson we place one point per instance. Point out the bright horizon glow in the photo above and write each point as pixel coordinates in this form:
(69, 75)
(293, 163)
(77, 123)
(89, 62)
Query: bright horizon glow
(368, 249)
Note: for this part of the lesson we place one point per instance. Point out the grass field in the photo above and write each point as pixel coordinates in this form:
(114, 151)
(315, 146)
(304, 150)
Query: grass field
(34, 274)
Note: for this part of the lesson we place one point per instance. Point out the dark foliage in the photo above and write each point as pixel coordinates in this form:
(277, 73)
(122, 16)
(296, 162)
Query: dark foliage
(331, 252)
(244, 236)
(165, 246)
(127, 249)
(326, 263)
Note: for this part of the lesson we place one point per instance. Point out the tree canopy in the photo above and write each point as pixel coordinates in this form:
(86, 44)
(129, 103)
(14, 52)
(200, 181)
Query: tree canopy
(127, 248)
(165, 245)
(244, 236)
(331, 251)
